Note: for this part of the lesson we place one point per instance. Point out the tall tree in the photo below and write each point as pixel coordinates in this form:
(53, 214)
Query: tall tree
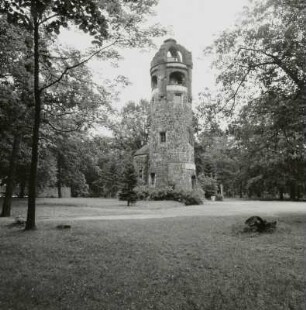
(260, 65)
(15, 100)
(214, 158)
(129, 181)
(115, 21)
(265, 51)
(132, 130)
(269, 146)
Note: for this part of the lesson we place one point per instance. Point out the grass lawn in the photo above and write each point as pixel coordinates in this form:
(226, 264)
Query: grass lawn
(199, 262)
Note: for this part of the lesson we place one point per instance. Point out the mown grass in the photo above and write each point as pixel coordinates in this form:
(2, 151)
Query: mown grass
(67, 208)
(179, 263)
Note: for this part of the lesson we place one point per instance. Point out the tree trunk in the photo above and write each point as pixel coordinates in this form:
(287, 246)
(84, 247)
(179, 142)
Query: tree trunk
(10, 184)
(240, 191)
(59, 176)
(221, 190)
(298, 193)
(30, 224)
(22, 188)
(281, 194)
(292, 191)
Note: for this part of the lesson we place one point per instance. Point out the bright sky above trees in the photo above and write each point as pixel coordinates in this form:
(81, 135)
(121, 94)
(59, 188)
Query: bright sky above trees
(193, 23)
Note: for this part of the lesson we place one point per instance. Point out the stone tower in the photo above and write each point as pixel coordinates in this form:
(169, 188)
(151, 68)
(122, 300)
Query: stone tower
(168, 159)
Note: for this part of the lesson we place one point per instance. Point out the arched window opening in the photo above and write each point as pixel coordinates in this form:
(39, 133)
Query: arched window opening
(174, 55)
(154, 81)
(177, 78)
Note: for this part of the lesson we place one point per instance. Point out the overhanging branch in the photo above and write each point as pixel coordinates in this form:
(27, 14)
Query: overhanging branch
(277, 61)
(63, 130)
(67, 69)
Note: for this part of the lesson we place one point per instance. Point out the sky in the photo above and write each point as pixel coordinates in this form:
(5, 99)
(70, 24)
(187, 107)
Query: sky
(193, 24)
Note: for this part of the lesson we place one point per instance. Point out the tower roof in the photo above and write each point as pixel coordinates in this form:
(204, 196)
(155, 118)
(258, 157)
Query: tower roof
(142, 151)
(170, 51)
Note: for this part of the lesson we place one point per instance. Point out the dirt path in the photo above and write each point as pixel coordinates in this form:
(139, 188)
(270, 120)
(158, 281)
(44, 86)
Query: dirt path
(226, 208)
(85, 209)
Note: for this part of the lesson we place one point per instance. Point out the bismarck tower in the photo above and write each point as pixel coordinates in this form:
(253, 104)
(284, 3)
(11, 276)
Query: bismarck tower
(168, 159)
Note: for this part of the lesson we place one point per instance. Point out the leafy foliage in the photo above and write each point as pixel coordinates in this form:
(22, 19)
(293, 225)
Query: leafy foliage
(118, 23)
(168, 193)
(264, 52)
(261, 80)
(129, 181)
(216, 163)
(209, 185)
(132, 131)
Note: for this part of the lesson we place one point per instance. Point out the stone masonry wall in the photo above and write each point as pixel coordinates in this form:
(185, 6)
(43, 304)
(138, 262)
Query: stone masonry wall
(171, 161)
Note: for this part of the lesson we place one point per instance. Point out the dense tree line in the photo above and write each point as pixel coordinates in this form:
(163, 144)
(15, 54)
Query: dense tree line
(262, 83)
(90, 165)
(49, 102)
(34, 67)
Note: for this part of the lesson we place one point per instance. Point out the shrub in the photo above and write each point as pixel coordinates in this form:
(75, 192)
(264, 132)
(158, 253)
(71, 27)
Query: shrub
(129, 181)
(142, 192)
(209, 185)
(191, 198)
(168, 193)
(219, 197)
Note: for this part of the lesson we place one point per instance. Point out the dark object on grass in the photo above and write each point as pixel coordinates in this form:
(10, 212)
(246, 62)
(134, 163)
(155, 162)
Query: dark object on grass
(63, 226)
(219, 197)
(19, 221)
(257, 224)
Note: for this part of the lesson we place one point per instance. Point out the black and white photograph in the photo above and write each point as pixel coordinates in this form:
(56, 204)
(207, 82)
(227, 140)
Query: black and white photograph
(152, 154)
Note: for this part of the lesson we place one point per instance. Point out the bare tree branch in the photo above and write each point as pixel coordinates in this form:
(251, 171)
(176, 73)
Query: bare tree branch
(48, 18)
(77, 65)
(279, 63)
(233, 97)
(62, 130)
